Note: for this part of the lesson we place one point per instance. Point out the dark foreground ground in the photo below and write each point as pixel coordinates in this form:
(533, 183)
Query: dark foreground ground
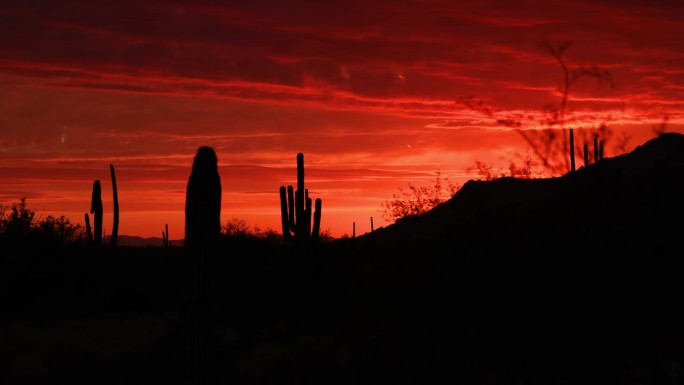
(342, 314)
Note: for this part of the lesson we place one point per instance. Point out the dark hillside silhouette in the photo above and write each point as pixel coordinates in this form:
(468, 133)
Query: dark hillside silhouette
(574, 279)
(637, 194)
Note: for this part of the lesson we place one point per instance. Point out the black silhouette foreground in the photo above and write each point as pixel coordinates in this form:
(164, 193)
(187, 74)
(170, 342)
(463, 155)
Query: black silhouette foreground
(568, 280)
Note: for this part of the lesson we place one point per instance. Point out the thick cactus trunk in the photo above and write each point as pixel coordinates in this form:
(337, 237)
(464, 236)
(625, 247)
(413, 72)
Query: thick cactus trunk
(96, 210)
(203, 201)
(202, 232)
(115, 226)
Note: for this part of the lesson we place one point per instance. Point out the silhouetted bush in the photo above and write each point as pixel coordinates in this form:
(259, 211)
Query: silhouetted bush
(19, 226)
(418, 200)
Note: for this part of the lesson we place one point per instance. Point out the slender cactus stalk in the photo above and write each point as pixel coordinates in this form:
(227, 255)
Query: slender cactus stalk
(596, 149)
(96, 210)
(115, 227)
(165, 236)
(315, 234)
(572, 150)
(284, 219)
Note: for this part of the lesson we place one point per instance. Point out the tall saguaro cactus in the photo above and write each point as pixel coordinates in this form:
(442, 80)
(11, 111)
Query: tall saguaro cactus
(572, 150)
(115, 227)
(202, 231)
(295, 210)
(203, 200)
(96, 210)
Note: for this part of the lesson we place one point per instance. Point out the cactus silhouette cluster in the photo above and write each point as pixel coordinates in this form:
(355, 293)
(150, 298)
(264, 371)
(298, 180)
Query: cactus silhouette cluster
(598, 151)
(295, 210)
(96, 209)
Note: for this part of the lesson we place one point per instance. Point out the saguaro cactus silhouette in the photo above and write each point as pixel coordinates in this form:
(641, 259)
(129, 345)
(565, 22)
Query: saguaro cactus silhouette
(115, 226)
(96, 210)
(89, 232)
(203, 200)
(165, 236)
(295, 210)
(202, 230)
(572, 150)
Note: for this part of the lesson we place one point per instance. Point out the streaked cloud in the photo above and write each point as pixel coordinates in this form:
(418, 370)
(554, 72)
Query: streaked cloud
(376, 94)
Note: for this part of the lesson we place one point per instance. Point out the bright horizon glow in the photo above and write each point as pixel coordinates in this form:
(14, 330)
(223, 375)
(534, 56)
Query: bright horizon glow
(375, 96)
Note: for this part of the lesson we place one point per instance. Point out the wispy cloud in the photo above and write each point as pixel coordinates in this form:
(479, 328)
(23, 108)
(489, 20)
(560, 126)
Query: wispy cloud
(375, 93)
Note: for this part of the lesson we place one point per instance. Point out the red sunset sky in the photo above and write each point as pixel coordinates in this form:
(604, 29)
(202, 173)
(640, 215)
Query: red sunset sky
(376, 94)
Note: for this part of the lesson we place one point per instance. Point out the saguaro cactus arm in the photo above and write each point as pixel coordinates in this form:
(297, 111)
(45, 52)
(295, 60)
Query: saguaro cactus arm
(89, 232)
(315, 234)
(96, 210)
(284, 216)
(291, 208)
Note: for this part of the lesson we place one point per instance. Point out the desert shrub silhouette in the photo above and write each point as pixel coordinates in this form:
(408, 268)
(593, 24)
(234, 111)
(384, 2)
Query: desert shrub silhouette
(203, 201)
(418, 200)
(20, 226)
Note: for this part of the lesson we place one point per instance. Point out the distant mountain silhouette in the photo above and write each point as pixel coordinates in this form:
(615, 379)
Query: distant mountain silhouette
(135, 241)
